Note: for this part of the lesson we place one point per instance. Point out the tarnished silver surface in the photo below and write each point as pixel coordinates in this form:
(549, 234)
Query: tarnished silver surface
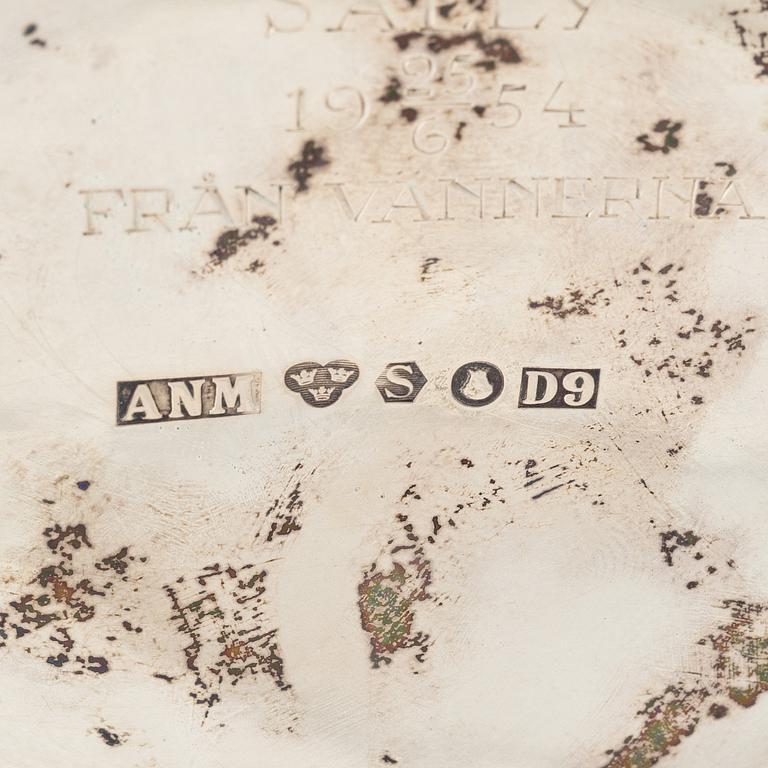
(409, 550)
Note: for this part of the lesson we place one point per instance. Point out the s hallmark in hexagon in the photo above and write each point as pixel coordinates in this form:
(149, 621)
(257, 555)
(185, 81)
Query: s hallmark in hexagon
(400, 382)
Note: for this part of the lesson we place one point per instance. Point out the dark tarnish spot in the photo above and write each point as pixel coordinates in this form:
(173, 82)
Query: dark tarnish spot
(97, 664)
(30, 30)
(445, 10)
(667, 130)
(741, 663)
(228, 637)
(704, 200)
(385, 758)
(73, 537)
(393, 91)
(118, 562)
(223, 612)
(735, 668)
(312, 157)
(65, 593)
(574, 302)
(688, 346)
(668, 719)
(479, 110)
(730, 168)
(546, 491)
(718, 711)
(671, 540)
(409, 114)
(230, 242)
(390, 596)
(426, 267)
(284, 514)
(111, 739)
(460, 130)
(404, 40)
(83, 485)
(498, 50)
(754, 39)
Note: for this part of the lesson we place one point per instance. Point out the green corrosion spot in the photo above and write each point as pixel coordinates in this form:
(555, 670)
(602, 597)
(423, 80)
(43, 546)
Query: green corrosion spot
(658, 736)
(389, 614)
(744, 697)
(385, 611)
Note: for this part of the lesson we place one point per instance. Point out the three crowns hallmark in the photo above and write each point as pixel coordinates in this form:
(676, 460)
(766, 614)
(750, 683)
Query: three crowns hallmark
(321, 385)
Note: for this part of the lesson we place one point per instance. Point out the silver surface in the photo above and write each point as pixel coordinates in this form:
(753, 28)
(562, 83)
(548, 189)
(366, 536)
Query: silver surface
(526, 203)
